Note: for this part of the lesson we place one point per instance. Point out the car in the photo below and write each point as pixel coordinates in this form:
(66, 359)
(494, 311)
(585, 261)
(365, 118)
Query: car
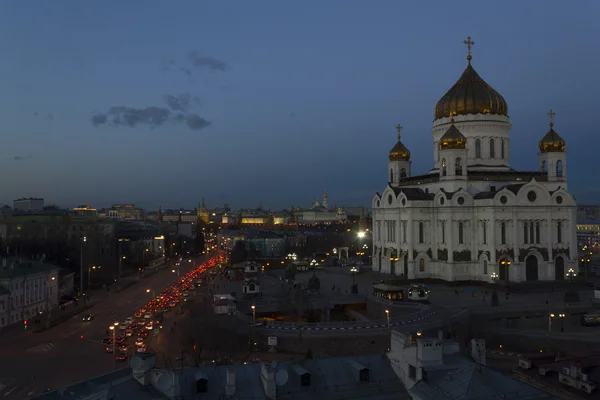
(108, 349)
(150, 326)
(123, 326)
(128, 333)
(147, 315)
(129, 320)
(88, 318)
(139, 341)
(124, 348)
(107, 341)
(141, 349)
(121, 356)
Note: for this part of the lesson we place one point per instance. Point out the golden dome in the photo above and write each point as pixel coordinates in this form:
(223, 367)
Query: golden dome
(399, 152)
(552, 142)
(453, 139)
(470, 95)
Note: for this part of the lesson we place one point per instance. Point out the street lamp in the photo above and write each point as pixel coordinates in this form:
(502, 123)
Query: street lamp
(550, 316)
(387, 314)
(253, 314)
(570, 275)
(562, 318)
(83, 240)
(90, 274)
(153, 292)
(361, 235)
(571, 295)
(494, 277)
(113, 328)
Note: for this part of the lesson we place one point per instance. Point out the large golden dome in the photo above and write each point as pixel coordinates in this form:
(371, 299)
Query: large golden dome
(552, 142)
(399, 152)
(453, 139)
(470, 95)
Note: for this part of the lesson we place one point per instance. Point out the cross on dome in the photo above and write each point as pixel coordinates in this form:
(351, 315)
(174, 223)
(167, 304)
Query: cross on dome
(551, 114)
(469, 44)
(398, 129)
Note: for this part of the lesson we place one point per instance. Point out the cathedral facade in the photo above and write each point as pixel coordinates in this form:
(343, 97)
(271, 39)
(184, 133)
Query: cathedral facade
(472, 216)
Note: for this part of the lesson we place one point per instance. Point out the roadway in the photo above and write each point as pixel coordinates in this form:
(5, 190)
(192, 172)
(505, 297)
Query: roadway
(73, 350)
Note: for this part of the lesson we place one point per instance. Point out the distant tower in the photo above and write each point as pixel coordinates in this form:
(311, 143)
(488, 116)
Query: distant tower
(293, 222)
(325, 204)
(203, 212)
(159, 215)
(552, 156)
(399, 162)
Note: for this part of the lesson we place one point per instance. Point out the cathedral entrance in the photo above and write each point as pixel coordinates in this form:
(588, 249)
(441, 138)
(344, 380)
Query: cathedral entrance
(393, 261)
(559, 268)
(531, 268)
(504, 270)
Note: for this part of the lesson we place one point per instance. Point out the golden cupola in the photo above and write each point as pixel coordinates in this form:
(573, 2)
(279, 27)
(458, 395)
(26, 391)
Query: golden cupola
(453, 139)
(552, 142)
(470, 95)
(399, 152)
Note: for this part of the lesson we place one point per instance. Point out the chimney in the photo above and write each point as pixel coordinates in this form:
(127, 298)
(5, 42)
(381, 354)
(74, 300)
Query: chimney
(230, 382)
(478, 351)
(267, 377)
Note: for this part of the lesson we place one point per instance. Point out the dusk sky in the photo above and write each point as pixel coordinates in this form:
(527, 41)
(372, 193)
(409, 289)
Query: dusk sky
(247, 102)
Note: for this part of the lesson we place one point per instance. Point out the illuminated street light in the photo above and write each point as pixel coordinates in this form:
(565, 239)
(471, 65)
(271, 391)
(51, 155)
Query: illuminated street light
(387, 314)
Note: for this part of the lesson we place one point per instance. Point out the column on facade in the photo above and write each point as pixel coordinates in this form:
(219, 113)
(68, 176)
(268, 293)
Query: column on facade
(491, 247)
(548, 241)
(410, 244)
(473, 233)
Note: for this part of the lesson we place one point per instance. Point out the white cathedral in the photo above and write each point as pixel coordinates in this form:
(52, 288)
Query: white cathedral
(472, 215)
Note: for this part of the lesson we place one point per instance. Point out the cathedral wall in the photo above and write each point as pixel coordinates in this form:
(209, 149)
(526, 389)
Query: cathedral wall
(460, 238)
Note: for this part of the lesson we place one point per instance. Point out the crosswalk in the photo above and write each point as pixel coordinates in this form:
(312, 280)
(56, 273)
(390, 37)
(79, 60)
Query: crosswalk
(40, 348)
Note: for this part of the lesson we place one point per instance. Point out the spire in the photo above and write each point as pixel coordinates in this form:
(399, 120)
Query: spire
(398, 129)
(551, 114)
(469, 44)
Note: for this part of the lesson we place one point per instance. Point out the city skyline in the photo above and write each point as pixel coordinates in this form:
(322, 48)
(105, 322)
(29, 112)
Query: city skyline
(272, 105)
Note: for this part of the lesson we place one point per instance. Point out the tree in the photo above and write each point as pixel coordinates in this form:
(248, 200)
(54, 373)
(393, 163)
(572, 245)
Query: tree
(238, 253)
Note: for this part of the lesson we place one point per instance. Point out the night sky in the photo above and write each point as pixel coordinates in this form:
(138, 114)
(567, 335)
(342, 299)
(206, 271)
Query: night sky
(273, 102)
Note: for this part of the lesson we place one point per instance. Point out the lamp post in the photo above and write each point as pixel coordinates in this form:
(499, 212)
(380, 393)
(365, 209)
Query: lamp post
(571, 295)
(83, 240)
(387, 314)
(113, 328)
(494, 278)
(253, 326)
(151, 291)
(562, 319)
(90, 274)
(550, 316)
(253, 314)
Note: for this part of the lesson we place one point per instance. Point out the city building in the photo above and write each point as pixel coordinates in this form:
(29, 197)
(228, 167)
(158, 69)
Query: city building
(85, 211)
(259, 243)
(203, 214)
(251, 284)
(28, 204)
(28, 288)
(319, 213)
(360, 377)
(123, 211)
(433, 368)
(472, 216)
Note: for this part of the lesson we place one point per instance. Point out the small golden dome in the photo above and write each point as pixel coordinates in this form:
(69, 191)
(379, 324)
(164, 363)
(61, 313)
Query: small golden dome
(453, 139)
(399, 152)
(552, 142)
(470, 95)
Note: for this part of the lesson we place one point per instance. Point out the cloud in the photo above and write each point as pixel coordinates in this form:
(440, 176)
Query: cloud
(196, 122)
(47, 117)
(153, 116)
(206, 62)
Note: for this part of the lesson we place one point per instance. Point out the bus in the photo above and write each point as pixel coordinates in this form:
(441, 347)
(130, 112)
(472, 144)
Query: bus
(590, 319)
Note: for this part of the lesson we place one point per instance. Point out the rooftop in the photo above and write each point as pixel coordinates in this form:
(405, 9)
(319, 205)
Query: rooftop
(14, 267)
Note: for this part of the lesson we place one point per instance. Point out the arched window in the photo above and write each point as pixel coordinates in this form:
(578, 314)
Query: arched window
(391, 175)
(502, 143)
(458, 167)
(422, 265)
(421, 233)
(485, 267)
(544, 166)
(443, 167)
(477, 148)
(460, 233)
(492, 149)
(503, 232)
(403, 173)
(559, 231)
(559, 168)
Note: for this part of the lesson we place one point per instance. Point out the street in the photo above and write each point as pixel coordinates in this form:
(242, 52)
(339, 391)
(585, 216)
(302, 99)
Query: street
(73, 351)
